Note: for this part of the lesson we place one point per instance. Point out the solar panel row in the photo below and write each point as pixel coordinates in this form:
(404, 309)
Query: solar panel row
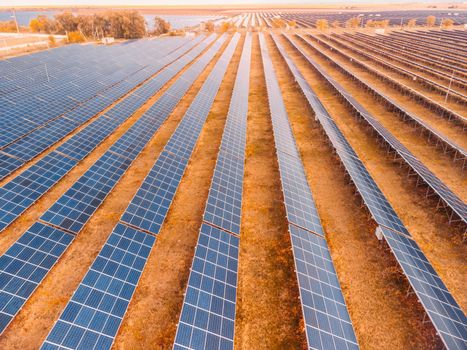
(327, 321)
(42, 135)
(207, 319)
(447, 317)
(443, 191)
(73, 73)
(74, 332)
(14, 202)
(459, 152)
(73, 209)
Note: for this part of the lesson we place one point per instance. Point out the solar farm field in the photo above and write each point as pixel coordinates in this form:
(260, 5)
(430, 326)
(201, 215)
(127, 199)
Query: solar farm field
(255, 188)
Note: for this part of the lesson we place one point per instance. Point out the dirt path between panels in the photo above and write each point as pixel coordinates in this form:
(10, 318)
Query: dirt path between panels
(31, 326)
(268, 308)
(416, 85)
(382, 317)
(432, 118)
(440, 242)
(440, 164)
(152, 317)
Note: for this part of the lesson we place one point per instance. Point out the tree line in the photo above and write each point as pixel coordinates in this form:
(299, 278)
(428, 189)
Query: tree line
(123, 24)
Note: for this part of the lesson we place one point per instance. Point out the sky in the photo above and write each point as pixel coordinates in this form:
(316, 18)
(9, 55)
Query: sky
(13, 3)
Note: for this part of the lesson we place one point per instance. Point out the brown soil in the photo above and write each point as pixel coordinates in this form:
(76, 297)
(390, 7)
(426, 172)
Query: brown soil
(439, 241)
(159, 297)
(428, 116)
(440, 164)
(381, 315)
(268, 308)
(47, 302)
(416, 85)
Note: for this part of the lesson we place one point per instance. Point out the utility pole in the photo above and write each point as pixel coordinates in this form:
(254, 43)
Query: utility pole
(16, 21)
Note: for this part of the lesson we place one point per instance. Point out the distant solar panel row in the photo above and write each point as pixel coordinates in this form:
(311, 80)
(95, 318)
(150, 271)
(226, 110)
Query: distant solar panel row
(73, 209)
(40, 138)
(460, 153)
(443, 110)
(327, 321)
(447, 317)
(207, 319)
(76, 332)
(73, 73)
(21, 192)
(443, 191)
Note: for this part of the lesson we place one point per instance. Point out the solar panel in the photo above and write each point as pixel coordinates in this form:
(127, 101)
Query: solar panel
(25, 264)
(379, 207)
(70, 316)
(74, 208)
(95, 311)
(21, 192)
(208, 313)
(327, 322)
(8, 165)
(443, 191)
(328, 325)
(445, 314)
(44, 130)
(83, 142)
(151, 203)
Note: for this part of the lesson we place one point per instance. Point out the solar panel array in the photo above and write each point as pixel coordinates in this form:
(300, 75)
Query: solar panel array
(74, 208)
(443, 191)
(31, 125)
(444, 312)
(207, 319)
(24, 190)
(459, 152)
(121, 264)
(327, 321)
(444, 111)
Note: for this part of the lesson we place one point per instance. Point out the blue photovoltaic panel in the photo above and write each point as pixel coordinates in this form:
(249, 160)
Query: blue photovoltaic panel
(207, 320)
(298, 199)
(8, 165)
(72, 330)
(94, 313)
(378, 205)
(52, 130)
(328, 325)
(41, 139)
(443, 191)
(18, 194)
(224, 204)
(445, 313)
(327, 321)
(208, 313)
(72, 210)
(223, 207)
(82, 143)
(25, 264)
(151, 203)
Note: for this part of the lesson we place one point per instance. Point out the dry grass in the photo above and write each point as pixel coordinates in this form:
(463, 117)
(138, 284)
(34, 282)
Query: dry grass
(438, 241)
(159, 296)
(268, 308)
(439, 163)
(34, 321)
(424, 113)
(382, 317)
